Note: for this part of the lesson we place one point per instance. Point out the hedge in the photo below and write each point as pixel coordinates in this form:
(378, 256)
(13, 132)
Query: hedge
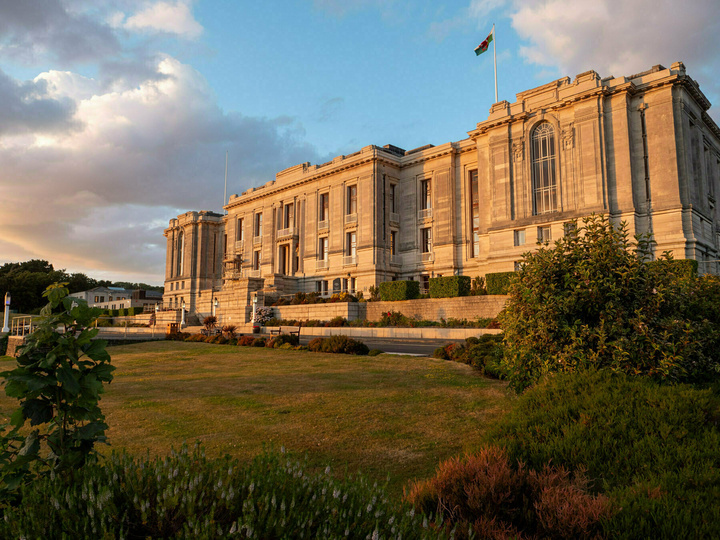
(497, 282)
(449, 286)
(391, 291)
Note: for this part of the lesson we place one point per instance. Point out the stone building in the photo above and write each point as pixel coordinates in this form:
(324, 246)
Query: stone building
(640, 149)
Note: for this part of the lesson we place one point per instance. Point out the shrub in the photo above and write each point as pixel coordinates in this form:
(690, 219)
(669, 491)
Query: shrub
(210, 322)
(104, 323)
(263, 314)
(477, 287)
(399, 290)
(592, 300)
(441, 354)
(257, 342)
(121, 312)
(339, 345)
(59, 376)
(229, 330)
(501, 499)
(651, 448)
(337, 322)
(449, 286)
(374, 293)
(3, 344)
(187, 495)
(498, 282)
(246, 341)
(393, 318)
(374, 352)
(283, 339)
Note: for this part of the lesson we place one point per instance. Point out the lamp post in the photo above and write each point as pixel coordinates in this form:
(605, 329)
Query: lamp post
(214, 306)
(182, 315)
(6, 320)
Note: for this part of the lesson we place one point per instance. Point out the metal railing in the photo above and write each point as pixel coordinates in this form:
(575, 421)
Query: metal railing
(323, 224)
(284, 233)
(22, 326)
(425, 214)
(321, 264)
(349, 260)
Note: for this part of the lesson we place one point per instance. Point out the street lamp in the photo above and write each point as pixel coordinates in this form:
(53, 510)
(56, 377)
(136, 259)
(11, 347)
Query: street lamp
(182, 315)
(214, 306)
(6, 320)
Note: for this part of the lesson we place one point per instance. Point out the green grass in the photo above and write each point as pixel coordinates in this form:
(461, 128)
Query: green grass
(387, 416)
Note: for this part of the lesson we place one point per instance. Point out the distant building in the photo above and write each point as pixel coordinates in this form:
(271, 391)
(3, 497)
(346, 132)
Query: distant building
(640, 149)
(120, 298)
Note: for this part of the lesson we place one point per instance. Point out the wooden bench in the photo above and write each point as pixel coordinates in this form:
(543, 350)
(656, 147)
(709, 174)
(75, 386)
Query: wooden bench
(213, 332)
(292, 330)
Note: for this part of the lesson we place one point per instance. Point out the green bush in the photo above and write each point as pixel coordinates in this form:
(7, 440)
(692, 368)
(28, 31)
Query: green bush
(339, 345)
(187, 495)
(498, 282)
(257, 342)
(651, 448)
(337, 322)
(449, 286)
(245, 341)
(3, 344)
(592, 300)
(441, 354)
(681, 268)
(374, 352)
(391, 291)
(283, 339)
(122, 312)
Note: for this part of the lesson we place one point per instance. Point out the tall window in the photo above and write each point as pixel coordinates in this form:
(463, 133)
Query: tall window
(256, 260)
(288, 214)
(392, 197)
(475, 213)
(323, 248)
(283, 259)
(426, 239)
(425, 194)
(543, 169)
(351, 244)
(393, 242)
(180, 259)
(351, 199)
(257, 230)
(324, 206)
(240, 230)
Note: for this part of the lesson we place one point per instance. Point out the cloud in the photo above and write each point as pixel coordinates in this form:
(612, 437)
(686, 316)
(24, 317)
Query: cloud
(92, 196)
(164, 17)
(35, 29)
(615, 37)
(32, 107)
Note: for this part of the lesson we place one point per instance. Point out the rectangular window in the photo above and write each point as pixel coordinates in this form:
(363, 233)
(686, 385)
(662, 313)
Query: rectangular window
(519, 237)
(257, 230)
(256, 259)
(425, 194)
(475, 213)
(393, 242)
(352, 199)
(351, 244)
(323, 248)
(239, 230)
(324, 206)
(288, 215)
(544, 234)
(569, 227)
(426, 239)
(322, 287)
(424, 283)
(392, 198)
(97, 298)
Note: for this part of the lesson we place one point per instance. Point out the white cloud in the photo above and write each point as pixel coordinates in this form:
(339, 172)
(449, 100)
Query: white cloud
(615, 37)
(91, 196)
(167, 17)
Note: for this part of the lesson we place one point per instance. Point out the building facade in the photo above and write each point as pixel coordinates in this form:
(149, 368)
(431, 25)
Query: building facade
(641, 149)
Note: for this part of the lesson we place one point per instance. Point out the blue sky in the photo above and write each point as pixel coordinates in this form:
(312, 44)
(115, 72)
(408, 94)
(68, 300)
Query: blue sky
(115, 116)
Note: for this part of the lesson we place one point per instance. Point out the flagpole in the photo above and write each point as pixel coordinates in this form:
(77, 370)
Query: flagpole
(495, 60)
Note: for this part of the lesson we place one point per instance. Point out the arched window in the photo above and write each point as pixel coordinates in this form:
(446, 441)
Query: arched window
(544, 178)
(180, 254)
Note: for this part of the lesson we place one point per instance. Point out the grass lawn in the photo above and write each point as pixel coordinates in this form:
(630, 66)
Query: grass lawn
(393, 416)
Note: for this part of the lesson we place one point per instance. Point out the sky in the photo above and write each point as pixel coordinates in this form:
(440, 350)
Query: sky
(116, 115)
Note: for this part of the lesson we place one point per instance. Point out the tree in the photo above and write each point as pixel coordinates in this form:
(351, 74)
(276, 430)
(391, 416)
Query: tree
(58, 379)
(594, 300)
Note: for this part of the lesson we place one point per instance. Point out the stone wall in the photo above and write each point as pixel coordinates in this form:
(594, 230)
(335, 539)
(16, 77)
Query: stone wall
(432, 309)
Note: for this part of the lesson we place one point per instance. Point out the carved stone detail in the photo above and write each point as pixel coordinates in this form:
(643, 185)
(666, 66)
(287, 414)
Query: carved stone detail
(568, 137)
(518, 149)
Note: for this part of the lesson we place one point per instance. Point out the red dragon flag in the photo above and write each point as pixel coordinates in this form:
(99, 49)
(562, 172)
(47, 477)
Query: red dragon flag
(485, 44)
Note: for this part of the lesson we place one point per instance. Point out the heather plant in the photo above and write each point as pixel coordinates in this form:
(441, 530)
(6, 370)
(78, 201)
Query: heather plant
(263, 314)
(58, 380)
(228, 330)
(488, 494)
(592, 300)
(210, 322)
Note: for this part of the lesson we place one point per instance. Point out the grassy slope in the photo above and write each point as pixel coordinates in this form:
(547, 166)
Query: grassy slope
(390, 416)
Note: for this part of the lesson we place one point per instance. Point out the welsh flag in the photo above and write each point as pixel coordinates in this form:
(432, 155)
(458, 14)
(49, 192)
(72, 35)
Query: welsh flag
(484, 45)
